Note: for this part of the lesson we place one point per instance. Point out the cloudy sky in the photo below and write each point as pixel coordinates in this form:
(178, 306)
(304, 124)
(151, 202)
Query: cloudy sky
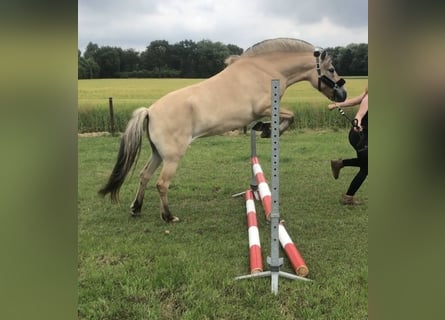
(135, 23)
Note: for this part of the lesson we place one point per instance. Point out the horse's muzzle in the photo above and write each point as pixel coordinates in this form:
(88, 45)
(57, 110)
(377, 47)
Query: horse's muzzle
(339, 94)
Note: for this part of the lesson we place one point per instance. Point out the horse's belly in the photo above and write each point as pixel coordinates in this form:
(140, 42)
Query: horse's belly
(221, 125)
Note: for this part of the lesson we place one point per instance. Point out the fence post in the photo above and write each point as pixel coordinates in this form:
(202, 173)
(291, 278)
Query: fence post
(112, 128)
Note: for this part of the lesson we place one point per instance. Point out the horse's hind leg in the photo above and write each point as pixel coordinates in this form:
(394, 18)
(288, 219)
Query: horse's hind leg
(145, 175)
(167, 173)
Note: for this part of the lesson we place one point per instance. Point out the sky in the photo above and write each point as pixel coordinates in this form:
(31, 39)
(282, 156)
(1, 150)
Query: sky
(135, 23)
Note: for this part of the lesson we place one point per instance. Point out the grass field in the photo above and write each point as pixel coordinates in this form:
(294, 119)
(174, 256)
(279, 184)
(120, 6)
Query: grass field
(130, 268)
(129, 94)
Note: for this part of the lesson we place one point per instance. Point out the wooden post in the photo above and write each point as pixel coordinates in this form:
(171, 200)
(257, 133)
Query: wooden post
(112, 128)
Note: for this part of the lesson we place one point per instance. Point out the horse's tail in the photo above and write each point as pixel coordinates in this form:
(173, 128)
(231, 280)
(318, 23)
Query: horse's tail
(128, 155)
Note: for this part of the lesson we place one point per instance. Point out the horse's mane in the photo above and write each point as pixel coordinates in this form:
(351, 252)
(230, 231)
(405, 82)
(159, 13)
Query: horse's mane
(278, 44)
(272, 45)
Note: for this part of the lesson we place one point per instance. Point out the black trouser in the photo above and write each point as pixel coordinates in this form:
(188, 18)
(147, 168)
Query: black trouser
(362, 162)
(359, 142)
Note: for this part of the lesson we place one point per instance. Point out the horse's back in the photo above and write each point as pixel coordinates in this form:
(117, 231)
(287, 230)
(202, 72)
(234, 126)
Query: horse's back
(229, 100)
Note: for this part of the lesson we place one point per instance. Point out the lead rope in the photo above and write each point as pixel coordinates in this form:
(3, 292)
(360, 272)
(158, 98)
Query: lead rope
(354, 124)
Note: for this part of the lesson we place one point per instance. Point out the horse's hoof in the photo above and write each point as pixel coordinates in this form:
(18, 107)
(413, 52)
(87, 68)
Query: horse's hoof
(172, 219)
(135, 214)
(266, 132)
(265, 135)
(258, 126)
(169, 218)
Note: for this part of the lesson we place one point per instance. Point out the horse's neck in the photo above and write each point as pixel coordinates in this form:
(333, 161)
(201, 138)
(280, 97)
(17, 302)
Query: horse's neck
(294, 67)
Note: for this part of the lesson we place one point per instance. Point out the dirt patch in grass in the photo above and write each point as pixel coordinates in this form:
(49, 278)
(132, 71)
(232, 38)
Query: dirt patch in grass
(94, 134)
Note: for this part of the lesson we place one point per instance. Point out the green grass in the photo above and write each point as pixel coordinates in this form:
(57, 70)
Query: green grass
(129, 268)
(129, 94)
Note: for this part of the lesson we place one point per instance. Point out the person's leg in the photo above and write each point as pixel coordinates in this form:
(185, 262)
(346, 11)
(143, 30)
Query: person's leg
(358, 180)
(336, 165)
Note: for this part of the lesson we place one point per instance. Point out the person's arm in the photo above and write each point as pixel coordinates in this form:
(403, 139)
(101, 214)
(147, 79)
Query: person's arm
(348, 102)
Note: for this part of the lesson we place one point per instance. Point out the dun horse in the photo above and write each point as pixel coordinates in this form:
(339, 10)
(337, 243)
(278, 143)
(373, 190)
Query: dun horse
(231, 99)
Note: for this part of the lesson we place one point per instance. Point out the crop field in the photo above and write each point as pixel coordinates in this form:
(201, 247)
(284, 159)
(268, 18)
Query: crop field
(143, 268)
(129, 94)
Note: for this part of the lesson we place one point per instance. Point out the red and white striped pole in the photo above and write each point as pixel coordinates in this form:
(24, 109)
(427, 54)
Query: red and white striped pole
(263, 187)
(292, 252)
(256, 259)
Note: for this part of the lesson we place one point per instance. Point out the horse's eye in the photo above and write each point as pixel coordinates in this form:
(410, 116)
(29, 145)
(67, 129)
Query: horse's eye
(331, 69)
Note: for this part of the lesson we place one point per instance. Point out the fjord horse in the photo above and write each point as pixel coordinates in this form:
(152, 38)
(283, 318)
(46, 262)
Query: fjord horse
(232, 99)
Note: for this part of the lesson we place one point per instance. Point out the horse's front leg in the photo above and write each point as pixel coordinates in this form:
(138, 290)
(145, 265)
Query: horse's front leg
(286, 119)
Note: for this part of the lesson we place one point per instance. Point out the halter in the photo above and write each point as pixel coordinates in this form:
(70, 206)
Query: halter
(322, 78)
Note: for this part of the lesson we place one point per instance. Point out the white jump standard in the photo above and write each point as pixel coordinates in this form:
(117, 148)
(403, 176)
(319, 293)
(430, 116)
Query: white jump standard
(274, 260)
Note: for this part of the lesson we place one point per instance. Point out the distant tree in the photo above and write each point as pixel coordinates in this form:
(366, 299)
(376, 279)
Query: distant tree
(184, 58)
(129, 60)
(91, 50)
(108, 60)
(351, 60)
(188, 59)
(344, 61)
(235, 50)
(210, 58)
(87, 68)
(359, 63)
(156, 56)
(81, 68)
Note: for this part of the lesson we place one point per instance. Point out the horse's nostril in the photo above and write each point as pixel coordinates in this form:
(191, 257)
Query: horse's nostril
(339, 95)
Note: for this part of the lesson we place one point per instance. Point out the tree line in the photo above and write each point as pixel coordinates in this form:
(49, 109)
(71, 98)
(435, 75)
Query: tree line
(189, 59)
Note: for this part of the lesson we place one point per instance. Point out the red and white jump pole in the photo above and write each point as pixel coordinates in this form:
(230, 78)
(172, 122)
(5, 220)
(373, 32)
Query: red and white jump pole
(256, 259)
(263, 187)
(292, 252)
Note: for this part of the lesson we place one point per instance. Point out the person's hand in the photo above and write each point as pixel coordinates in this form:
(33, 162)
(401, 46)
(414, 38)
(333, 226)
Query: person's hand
(358, 125)
(332, 106)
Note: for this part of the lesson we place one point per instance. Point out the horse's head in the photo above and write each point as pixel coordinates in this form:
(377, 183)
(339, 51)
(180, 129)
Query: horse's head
(329, 82)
